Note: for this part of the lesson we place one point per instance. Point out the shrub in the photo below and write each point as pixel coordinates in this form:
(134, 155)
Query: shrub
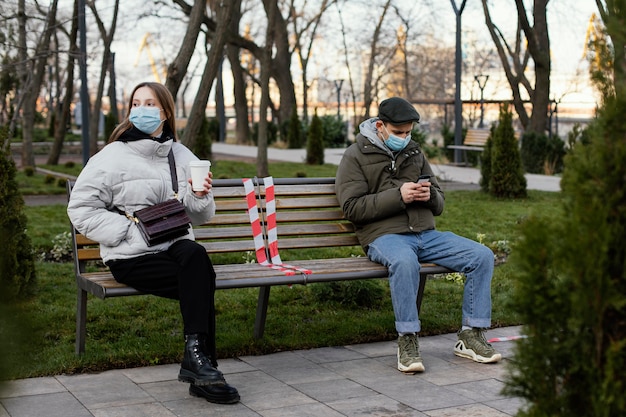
(448, 139)
(208, 134)
(272, 133)
(485, 166)
(315, 142)
(49, 179)
(572, 285)
(29, 171)
(533, 152)
(541, 154)
(334, 132)
(506, 174)
(294, 131)
(17, 263)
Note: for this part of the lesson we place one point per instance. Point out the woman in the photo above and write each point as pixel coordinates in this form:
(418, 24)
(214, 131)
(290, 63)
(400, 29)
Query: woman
(130, 173)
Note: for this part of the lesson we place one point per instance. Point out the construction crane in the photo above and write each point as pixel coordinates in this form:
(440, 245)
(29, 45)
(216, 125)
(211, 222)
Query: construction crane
(145, 44)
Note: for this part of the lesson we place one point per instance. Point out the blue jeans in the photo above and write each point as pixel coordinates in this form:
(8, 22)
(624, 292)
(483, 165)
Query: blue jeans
(402, 254)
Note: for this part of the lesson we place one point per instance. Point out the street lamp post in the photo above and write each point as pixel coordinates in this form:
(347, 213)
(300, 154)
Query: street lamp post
(482, 81)
(338, 84)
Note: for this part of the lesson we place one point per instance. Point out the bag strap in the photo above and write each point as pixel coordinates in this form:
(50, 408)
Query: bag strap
(170, 159)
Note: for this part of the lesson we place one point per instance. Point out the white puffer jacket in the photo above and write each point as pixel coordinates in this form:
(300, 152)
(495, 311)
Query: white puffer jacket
(128, 176)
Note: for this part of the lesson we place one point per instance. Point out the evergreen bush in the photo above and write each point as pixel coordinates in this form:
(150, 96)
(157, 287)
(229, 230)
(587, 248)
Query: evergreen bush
(272, 133)
(335, 133)
(571, 291)
(294, 132)
(315, 142)
(485, 166)
(542, 154)
(17, 262)
(506, 175)
(209, 133)
(533, 152)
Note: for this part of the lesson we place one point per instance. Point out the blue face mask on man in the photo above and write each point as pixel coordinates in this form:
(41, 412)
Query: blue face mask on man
(146, 119)
(396, 143)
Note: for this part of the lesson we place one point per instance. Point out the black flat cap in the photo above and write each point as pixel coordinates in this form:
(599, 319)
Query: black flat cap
(398, 111)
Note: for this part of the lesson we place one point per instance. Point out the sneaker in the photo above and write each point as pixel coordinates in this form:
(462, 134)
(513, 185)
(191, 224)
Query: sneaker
(473, 345)
(409, 359)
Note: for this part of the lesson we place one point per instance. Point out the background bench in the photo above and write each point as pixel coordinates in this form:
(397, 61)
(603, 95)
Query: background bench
(308, 218)
(475, 140)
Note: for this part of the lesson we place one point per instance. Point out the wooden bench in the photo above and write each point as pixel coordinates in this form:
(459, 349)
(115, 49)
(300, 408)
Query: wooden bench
(308, 218)
(475, 140)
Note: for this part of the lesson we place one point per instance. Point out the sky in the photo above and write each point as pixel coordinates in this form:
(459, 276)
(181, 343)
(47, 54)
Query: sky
(567, 20)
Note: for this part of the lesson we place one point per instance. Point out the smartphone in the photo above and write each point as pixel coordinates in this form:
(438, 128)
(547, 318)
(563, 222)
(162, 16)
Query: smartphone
(423, 178)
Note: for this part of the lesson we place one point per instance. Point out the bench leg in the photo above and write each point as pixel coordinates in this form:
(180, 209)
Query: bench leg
(420, 291)
(81, 321)
(261, 312)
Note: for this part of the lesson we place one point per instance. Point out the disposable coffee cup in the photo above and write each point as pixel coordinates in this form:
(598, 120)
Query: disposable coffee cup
(199, 171)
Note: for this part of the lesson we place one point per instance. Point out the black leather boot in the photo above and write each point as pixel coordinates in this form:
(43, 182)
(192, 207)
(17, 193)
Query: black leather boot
(197, 367)
(220, 394)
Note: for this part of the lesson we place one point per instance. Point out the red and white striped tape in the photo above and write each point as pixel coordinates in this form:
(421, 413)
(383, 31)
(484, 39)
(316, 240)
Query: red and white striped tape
(257, 229)
(272, 234)
(505, 339)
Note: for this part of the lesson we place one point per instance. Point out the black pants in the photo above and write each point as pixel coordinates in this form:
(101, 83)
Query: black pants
(184, 272)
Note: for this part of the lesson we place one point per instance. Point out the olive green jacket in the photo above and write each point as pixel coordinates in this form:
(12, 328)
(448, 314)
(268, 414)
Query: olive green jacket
(368, 184)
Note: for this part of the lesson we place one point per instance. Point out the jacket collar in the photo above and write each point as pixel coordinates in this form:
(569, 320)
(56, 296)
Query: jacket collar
(134, 134)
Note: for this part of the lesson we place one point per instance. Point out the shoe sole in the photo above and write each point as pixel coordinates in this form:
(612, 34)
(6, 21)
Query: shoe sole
(188, 376)
(212, 399)
(413, 368)
(463, 352)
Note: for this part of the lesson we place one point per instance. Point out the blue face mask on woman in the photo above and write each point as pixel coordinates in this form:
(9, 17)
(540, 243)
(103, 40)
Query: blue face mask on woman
(396, 143)
(146, 119)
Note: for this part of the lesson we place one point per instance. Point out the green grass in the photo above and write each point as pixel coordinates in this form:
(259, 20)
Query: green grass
(145, 330)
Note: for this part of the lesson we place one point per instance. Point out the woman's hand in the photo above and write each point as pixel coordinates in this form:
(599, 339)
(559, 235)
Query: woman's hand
(208, 181)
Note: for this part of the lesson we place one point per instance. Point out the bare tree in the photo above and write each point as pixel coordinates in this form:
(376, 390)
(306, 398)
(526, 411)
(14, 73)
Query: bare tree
(63, 115)
(305, 32)
(107, 39)
(369, 83)
(272, 12)
(515, 61)
(32, 72)
(178, 68)
(223, 15)
(242, 128)
(610, 13)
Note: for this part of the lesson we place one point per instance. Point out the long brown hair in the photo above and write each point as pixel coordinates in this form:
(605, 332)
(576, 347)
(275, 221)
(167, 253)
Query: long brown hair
(165, 98)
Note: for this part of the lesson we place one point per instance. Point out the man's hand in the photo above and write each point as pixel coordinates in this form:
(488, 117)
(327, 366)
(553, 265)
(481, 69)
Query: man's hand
(412, 192)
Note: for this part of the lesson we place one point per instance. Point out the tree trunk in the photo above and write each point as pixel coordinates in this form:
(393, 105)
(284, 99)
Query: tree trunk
(242, 127)
(369, 75)
(281, 64)
(107, 39)
(178, 68)
(64, 115)
(515, 61)
(198, 109)
(38, 71)
(539, 47)
(272, 15)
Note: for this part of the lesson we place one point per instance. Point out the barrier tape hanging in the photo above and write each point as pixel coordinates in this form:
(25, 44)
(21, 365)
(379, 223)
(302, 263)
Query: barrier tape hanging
(272, 234)
(257, 229)
(505, 339)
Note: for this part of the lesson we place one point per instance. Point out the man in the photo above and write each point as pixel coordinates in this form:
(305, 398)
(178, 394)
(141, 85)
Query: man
(388, 190)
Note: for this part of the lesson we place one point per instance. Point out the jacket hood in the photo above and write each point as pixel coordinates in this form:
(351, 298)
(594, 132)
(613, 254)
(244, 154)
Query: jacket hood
(369, 131)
